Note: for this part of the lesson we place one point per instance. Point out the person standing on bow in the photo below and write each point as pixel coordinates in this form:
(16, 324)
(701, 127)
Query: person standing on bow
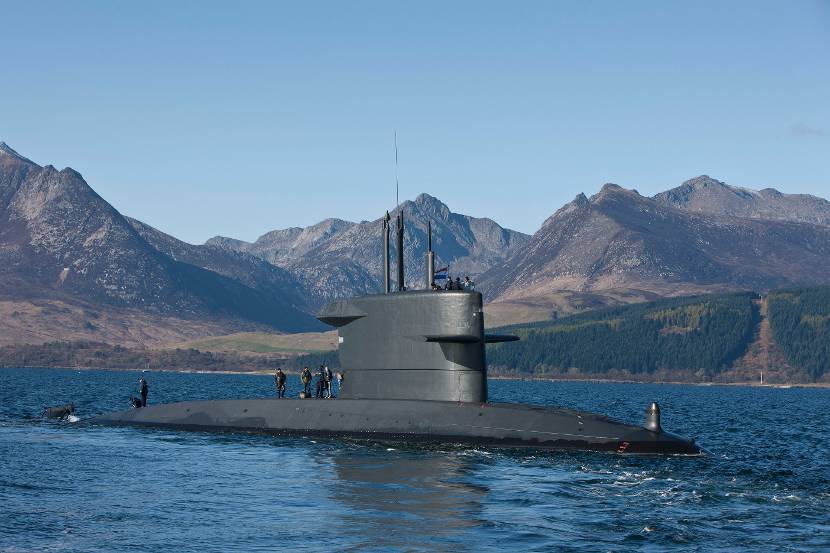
(143, 389)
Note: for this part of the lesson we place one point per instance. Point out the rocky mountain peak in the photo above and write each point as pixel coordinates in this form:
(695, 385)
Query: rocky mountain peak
(704, 194)
(7, 151)
(702, 186)
(610, 187)
(614, 192)
(426, 207)
(703, 181)
(425, 200)
(581, 201)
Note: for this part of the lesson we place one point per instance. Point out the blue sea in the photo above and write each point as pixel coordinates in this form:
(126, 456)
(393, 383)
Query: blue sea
(71, 486)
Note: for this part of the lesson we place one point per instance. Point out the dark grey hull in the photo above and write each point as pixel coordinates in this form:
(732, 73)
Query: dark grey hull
(486, 424)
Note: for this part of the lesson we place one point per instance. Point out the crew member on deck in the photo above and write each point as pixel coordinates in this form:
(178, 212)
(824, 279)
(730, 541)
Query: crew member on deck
(279, 382)
(327, 377)
(143, 384)
(339, 377)
(469, 285)
(320, 382)
(305, 376)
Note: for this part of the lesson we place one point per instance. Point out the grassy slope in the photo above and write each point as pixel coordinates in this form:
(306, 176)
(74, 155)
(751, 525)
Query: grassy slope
(263, 342)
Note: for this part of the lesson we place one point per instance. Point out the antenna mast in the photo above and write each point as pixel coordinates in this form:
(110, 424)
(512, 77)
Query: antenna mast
(397, 201)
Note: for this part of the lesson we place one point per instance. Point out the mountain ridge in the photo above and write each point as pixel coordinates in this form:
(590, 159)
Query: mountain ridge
(620, 240)
(60, 242)
(338, 258)
(704, 194)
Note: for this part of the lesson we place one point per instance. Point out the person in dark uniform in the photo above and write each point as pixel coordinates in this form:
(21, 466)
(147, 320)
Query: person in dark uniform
(143, 384)
(320, 382)
(305, 376)
(327, 377)
(279, 382)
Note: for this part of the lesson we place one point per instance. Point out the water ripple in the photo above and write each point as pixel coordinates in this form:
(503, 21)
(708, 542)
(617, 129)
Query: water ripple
(72, 487)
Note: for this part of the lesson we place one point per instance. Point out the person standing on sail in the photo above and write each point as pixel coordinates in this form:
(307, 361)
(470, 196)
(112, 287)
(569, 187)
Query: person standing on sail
(468, 284)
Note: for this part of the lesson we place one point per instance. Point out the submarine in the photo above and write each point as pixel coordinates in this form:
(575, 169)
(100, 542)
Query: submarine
(414, 371)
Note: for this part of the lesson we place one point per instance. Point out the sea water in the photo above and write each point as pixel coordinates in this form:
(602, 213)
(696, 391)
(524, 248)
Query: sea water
(72, 486)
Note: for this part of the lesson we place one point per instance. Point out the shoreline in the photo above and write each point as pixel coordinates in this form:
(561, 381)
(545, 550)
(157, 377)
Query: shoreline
(662, 382)
(115, 369)
(783, 385)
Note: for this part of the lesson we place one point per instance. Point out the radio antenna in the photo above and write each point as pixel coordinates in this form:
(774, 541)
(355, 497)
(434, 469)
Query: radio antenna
(397, 201)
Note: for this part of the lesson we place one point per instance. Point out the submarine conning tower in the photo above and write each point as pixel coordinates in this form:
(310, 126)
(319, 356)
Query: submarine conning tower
(411, 344)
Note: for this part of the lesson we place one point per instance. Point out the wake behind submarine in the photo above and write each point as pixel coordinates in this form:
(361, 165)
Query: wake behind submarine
(414, 370)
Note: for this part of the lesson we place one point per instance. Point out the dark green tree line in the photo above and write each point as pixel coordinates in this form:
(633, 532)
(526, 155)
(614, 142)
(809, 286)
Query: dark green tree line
(800, 322)
(701, 333)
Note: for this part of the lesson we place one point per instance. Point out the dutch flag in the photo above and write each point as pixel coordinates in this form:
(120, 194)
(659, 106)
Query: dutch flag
(441, 274)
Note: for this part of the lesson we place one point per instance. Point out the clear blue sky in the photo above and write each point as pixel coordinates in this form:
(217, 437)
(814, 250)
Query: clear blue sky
(205, 118)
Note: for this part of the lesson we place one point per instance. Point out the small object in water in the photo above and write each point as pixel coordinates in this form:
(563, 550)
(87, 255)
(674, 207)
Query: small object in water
(62, 412)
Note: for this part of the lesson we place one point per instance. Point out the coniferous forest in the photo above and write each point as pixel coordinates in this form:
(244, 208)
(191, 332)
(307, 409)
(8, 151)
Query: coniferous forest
(800, 322)
(704, 334)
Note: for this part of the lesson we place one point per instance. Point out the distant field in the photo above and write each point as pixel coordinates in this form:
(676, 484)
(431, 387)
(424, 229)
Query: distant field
(558, 304)
(263, 342)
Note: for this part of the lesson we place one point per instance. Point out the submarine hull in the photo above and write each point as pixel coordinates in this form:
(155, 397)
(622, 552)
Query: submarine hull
(485, 424)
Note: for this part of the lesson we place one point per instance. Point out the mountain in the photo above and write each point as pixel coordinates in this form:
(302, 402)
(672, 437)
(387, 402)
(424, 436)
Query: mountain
(619, 242)
(704, 194)
(283, 246)
(337, 258)
(73, 268)
(60, 241)
(245, 268)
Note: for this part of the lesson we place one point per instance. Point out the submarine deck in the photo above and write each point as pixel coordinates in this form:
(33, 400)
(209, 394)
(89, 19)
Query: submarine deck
(490, 424)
